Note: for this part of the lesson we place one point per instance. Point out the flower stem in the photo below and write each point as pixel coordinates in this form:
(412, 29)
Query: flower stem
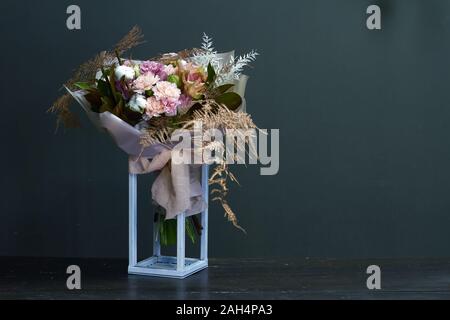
(118, 57)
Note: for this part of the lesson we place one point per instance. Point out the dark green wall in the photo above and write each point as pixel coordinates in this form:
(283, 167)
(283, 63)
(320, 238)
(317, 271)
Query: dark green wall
(364, 119)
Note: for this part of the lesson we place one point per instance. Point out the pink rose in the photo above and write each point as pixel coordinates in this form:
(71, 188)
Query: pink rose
(194, 79)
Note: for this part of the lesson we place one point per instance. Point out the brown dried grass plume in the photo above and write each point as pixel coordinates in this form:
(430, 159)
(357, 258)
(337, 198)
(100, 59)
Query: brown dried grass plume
(86, 73)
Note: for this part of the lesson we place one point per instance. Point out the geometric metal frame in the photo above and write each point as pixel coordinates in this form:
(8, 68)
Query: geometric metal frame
(178, 267)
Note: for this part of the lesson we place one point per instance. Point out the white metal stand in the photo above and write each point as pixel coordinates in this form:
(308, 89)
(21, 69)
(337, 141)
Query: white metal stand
(163, 266)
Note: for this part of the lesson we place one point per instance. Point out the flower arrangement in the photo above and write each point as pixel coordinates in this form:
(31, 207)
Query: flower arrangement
(162, 94)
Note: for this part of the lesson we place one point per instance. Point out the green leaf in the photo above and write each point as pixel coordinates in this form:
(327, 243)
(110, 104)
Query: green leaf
(230, 99)
(162, 233)
(118, 57)
(94, 98)
(118, 109)
(168, 228)
(118, 96)
(173, 78)
(82, 85)
(112, 84)
(222, 89)
(190, 230)
(104, 108)
(107, 101)
(105, 73)
(103, 88)
(211, 74)
(106, 105)
(168, 231)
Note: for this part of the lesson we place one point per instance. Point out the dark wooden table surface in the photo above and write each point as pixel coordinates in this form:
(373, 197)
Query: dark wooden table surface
(45, 278)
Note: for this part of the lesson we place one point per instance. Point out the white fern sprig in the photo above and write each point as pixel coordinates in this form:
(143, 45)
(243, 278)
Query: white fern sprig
(207, 43)
(208, 55)
(243, 61)
(234, 68)
(226, 72)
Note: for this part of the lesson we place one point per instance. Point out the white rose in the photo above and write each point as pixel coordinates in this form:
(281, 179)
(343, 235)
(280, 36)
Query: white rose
(138, 103)
(124, 71)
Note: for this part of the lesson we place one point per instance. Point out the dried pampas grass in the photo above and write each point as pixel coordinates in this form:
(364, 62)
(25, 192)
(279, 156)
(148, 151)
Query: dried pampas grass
(220, 178)
(212, 116)
(64, 116)
(86, 73)
(132, 39)
(216, 116)
(154, 135)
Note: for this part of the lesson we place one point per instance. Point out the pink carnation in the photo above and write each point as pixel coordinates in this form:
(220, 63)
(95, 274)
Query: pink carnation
(185, 103)
(170, 106)
(169, 69)
(169, 95)
(166, 90)
(154, 107)
(154, 67)
(145, 82)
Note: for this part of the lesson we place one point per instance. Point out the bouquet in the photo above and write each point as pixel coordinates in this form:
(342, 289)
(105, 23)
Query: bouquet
(141, 103)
